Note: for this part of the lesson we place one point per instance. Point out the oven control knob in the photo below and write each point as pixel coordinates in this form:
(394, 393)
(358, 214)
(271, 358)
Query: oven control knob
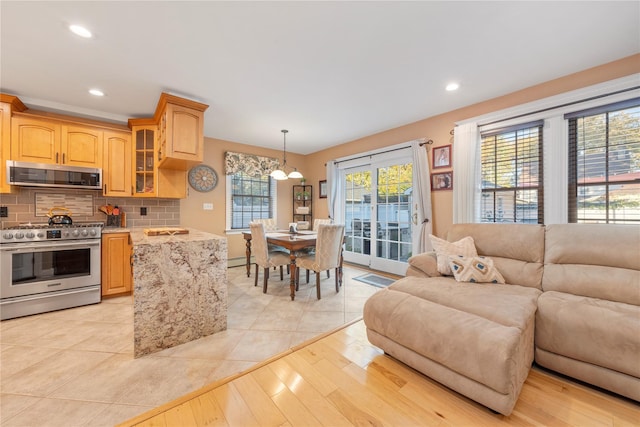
(93, 232)
(84, 232)
(19, 235)
(7, 236)
(40, 235)
(30, 235)
(75, 233)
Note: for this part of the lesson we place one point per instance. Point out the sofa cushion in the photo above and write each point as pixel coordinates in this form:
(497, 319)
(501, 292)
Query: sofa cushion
(476, 269)
(594, 260)
(423, 265)
(603, 333)
(473, 330)
(517, 250)
(502, 304)
(444, 250)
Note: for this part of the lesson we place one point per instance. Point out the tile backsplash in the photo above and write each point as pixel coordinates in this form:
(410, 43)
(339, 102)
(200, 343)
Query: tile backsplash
(30, 204)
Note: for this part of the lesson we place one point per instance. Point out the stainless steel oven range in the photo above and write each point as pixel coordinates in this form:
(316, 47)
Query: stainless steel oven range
(49, 267)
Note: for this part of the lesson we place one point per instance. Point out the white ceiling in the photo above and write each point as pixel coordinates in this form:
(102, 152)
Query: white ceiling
(330, 72)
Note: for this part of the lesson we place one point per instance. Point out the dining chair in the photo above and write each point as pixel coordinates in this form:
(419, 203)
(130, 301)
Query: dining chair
(327, 254)
(264, 257)
(316, 223)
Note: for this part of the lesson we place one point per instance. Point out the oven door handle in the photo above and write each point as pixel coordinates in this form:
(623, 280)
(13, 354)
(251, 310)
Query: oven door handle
(45, 247)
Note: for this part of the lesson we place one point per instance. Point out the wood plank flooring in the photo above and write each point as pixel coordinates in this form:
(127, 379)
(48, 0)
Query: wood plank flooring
(340, 379)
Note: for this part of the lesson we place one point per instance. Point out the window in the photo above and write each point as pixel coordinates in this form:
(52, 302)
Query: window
(511, 160)
(604, 164)
(249, 198)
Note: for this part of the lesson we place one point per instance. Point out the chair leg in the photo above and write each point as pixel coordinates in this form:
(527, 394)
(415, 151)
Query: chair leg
(318, 284)
(307, 277)
(297, 278)
(281, 273)
(336, 274)
(256, 283)
(264, 283)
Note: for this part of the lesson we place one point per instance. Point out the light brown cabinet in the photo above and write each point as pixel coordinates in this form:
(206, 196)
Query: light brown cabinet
(42, 140)
(181, 137)
(35, 140)
(149, 180)
(116, 172)
(116, 264)
(8, 104)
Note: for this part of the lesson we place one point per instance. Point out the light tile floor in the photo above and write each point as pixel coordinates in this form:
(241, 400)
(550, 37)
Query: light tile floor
(75, 367)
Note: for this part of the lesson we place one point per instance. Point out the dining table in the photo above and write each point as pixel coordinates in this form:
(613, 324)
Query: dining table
(293, 242)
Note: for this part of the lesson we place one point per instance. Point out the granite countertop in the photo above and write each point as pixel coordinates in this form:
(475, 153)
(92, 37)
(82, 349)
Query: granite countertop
(139, 238)
(111, 230)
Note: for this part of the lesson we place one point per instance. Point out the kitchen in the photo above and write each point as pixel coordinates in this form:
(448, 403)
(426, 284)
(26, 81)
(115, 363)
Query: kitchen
(56, 252)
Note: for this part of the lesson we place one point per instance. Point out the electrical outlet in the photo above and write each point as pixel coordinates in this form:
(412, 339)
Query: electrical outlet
(4, 211)
(207, 206)
(143, 211)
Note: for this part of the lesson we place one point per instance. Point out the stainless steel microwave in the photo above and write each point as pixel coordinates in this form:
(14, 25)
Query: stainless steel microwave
(45, 175)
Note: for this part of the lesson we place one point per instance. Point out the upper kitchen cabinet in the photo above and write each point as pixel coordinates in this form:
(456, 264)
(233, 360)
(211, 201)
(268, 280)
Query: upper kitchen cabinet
(181, 137)
(148, 179)
(81, 146)
(43, 140)
(35, 140)
(8, 104)
(116, 172)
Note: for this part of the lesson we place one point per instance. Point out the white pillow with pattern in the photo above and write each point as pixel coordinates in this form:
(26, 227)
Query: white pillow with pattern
(476, 269)
(444, 249)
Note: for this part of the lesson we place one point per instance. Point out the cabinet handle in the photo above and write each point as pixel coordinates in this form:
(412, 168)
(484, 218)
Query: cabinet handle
(56, 157)
(64, 158)
(104, 191)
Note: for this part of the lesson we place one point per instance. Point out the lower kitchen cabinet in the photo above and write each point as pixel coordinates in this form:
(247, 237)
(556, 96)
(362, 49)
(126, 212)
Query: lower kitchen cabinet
(116, 264)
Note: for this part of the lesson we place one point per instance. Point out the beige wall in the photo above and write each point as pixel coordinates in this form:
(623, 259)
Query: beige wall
(437, 128)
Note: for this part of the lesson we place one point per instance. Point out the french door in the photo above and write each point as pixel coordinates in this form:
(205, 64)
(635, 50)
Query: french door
(377, 214)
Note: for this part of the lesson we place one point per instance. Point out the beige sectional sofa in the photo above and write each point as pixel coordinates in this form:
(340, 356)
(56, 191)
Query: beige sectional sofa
(571, 300)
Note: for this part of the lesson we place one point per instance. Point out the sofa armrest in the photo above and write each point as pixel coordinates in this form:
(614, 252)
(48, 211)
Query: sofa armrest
(425, 263)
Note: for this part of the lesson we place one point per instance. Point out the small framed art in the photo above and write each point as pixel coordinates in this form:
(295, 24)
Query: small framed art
(442, 181)
(323, 189)
(441, 156)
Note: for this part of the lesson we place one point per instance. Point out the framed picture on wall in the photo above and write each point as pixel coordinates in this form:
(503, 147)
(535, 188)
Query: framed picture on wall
(323, 189)
(441, 156)
(442, 181)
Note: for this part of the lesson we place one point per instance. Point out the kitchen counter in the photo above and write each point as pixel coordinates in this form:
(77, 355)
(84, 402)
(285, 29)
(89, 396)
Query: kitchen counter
(179, 288)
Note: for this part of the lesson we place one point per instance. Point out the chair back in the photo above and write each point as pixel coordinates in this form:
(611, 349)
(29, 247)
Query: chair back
(269, 223)
(329, 246)
(318, 221)
(259, 247)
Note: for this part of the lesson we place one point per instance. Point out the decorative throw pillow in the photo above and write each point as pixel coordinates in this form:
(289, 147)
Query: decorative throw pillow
(476, 269)
(465, 247)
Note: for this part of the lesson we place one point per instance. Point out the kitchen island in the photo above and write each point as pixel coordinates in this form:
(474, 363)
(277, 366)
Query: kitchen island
(179, 288)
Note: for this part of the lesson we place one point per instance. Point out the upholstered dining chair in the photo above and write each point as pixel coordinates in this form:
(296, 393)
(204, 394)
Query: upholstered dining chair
(309, 251)
(326, 256)
(264, 257)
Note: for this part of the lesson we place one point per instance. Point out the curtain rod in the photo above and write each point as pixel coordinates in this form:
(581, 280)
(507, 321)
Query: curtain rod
(561, 105)
(427, 142)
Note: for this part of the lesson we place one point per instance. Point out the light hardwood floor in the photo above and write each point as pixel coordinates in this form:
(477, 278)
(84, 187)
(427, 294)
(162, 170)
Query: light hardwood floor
(340, 379)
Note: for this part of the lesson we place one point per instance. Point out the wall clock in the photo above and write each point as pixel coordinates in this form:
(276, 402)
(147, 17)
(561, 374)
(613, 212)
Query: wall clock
(203, 178)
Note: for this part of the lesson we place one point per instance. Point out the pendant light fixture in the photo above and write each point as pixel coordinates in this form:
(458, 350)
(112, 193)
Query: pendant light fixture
(281, 174)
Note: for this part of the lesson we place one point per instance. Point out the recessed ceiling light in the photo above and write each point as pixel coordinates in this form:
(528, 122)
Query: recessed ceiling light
(452, 86)
(80, 31)
(96, 92)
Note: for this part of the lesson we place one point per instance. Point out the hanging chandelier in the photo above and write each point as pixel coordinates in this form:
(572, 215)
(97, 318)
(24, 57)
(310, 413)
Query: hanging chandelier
(281, 174)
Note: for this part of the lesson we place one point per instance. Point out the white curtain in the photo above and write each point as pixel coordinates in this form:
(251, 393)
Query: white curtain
(422, 216)
(333, 191)
(466, 164)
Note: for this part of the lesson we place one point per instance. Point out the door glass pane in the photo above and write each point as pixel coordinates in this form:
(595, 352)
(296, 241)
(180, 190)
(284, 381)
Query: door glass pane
(358, 212)
(393, 219)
